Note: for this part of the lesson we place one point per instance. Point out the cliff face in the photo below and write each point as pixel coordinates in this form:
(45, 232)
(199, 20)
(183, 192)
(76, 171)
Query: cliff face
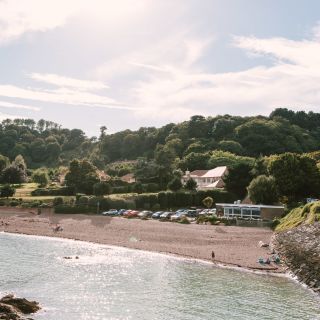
(300, 249)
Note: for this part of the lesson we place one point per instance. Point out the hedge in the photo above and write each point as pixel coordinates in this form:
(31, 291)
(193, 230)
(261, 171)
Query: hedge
(64, 191)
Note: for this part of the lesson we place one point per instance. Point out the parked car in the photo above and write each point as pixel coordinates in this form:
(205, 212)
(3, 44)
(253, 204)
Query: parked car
(203, 212)
(111, 212)
(132, 214)
(145, 214)
(121, 212)
(166, 215)
(178, 215)
(125, 213)
(191, 213)
(212, 212)
(157, 215)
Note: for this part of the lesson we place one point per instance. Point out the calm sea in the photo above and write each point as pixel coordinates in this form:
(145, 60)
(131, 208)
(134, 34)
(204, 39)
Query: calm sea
(116, 283)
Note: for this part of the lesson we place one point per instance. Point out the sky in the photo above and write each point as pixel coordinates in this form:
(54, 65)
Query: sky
(125, 64)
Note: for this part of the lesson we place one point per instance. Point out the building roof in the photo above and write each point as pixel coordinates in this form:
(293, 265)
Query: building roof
(248, 205)
(198, 173)
(216, 172)
(217, 184)
(127, 177)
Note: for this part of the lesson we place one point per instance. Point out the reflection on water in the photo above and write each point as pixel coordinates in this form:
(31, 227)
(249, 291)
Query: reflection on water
(115, 283)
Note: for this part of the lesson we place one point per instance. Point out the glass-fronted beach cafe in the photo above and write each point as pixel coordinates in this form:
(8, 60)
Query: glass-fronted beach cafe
(248, 211)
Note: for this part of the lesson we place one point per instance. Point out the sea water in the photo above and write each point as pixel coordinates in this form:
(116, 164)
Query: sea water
(117, 283)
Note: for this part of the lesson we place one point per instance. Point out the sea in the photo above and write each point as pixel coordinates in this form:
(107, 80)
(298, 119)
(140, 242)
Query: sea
(118, 283)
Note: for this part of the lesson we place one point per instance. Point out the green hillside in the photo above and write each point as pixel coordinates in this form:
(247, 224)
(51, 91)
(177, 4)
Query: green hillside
(307, 214)
(45, 143)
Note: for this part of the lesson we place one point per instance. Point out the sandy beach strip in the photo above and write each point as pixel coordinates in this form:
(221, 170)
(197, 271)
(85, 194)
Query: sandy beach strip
(232, 246)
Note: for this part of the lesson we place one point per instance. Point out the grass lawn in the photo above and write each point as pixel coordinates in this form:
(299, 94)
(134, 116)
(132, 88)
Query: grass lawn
(25, 189)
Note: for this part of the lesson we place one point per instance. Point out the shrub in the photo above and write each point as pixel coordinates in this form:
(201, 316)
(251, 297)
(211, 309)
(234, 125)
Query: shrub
(57, 201)
(274, 224)
(208, 202)
(184, 220)
(14, 203)
(7, 191)
(83, 201)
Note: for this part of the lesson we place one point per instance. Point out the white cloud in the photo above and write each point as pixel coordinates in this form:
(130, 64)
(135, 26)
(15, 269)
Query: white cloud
(292, 80)
(18, 17)
(62, 81)
(5, 104)
(62, 96)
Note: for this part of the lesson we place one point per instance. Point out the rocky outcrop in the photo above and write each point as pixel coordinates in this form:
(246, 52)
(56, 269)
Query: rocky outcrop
(299, 248)
(12, 308)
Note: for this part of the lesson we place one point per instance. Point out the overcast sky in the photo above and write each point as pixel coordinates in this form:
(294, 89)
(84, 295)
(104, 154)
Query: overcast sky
(131, 63)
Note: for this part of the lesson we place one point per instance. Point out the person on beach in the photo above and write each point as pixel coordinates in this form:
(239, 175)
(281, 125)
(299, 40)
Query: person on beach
(212, 255)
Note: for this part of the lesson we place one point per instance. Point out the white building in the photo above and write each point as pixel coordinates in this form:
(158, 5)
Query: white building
(207, 179)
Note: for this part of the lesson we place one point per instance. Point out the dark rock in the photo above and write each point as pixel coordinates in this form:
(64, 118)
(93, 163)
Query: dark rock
(12, 308)
(22, 305)
(300, 250)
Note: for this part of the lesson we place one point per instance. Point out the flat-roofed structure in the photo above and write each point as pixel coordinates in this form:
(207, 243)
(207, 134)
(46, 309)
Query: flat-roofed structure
(249, 211)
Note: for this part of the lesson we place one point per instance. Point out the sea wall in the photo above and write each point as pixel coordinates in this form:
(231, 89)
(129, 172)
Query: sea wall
(299, 248)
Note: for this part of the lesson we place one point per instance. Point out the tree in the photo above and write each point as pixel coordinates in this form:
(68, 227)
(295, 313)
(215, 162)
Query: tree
(7, 191)
(137, 187)
(20, 163)
(41, 177)
(238, 179)
(13, 175)
(146, 171)
(175, 184)
(4, 163)
(231, 146)
(101, 188)
(194, 161)
(296, 176)
(191, 184)
(81, 176)
(208, 202)
(263, 190)
(225, 158)
(164, 157)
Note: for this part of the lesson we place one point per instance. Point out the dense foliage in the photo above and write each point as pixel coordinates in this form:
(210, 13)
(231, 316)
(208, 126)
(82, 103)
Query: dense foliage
(284, 146)
(45, 143)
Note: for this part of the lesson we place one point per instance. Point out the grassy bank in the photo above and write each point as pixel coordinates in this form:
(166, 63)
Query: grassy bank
(307, 214)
